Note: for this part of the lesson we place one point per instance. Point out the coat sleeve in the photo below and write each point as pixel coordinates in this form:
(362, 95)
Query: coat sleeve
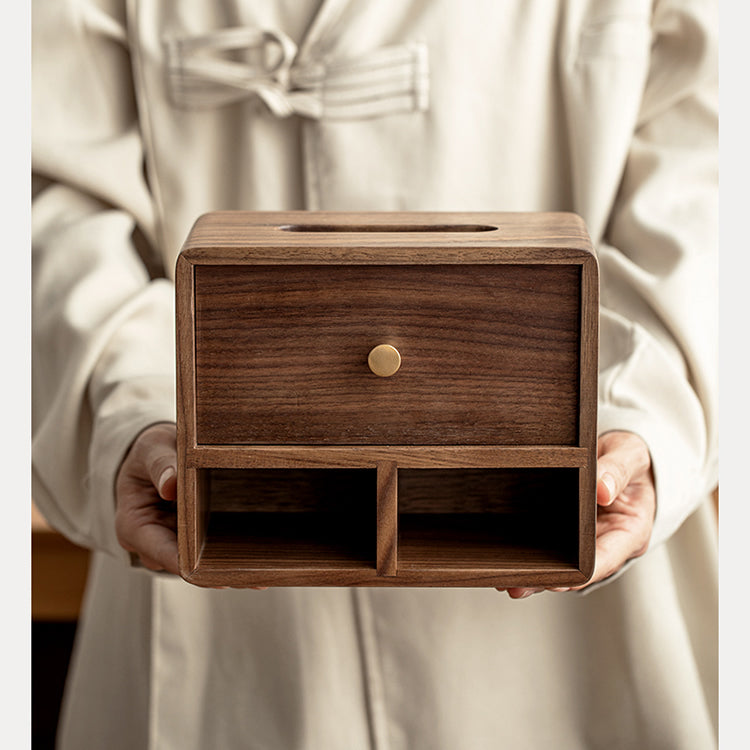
(102, 324)
(659, 267)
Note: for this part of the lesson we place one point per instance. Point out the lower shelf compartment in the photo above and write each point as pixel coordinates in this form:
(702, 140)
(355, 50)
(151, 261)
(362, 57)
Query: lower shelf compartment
(301, 518)
(488, 518)
(470, 541)
(453, 527)
(285, 540)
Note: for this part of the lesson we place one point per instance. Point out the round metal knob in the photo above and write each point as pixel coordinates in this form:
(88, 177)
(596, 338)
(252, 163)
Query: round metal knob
(384, 360)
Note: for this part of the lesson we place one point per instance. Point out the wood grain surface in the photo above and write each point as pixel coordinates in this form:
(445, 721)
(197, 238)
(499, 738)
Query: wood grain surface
(587, 418)
(225, 236)
(387, 529)
(241, 572)
(489, 354)
(368, 456)
(191, 493)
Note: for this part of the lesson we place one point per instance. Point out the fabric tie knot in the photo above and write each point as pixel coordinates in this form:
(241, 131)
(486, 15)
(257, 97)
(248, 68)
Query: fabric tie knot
(230, 65)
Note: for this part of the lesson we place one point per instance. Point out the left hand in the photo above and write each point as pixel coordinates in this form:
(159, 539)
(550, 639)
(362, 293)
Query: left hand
(626, 506)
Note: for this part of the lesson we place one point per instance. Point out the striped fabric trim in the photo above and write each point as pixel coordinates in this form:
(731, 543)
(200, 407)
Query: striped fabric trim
(230, 65)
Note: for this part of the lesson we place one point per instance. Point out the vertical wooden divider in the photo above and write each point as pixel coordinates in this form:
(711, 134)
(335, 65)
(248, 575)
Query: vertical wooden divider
(387, 518)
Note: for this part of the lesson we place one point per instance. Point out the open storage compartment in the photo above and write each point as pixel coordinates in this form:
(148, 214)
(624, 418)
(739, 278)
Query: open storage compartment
(399, 522)
(288, 518)
(512, 518)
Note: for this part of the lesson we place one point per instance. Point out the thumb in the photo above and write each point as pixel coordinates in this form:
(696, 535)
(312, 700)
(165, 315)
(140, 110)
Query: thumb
(159, 450)
(612, 476)
(622, 456)
(607, 486)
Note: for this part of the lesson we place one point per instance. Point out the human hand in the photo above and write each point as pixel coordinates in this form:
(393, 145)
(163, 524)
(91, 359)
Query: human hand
(145, 494)
(626, 506)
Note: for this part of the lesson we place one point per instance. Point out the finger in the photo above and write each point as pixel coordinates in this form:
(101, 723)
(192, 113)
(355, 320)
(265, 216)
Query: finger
(522, 593)
(155, 544)
(150, 564)
(612, 549)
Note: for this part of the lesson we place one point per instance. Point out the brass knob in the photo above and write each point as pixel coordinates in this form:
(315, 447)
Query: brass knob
(384, 360)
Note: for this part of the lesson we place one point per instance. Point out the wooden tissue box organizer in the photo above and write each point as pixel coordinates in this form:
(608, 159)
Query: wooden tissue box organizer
(387, 399)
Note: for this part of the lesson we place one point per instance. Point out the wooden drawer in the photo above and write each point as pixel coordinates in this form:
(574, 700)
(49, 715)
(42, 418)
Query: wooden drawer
(472, 464)
(489, 354)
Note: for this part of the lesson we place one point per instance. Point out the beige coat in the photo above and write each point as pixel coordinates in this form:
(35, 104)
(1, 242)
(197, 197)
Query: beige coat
(603, 107)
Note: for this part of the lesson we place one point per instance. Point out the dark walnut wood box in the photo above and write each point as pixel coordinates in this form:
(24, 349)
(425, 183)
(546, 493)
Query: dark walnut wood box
(387, 399)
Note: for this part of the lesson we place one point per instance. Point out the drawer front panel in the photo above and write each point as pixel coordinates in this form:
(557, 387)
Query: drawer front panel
(489, 354)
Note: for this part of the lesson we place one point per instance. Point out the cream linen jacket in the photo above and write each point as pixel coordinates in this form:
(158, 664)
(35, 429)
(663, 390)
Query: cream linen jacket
(147, 114)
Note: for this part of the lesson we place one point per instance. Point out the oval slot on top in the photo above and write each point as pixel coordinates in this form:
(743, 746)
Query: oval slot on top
(375, 228)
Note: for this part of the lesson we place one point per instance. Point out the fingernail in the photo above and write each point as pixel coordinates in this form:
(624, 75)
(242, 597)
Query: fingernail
(166, 475)
(609, 483)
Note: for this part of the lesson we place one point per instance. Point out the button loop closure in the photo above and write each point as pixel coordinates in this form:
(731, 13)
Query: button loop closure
(233, 64)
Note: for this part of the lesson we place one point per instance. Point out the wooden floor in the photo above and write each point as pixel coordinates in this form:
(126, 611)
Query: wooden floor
(58, 578)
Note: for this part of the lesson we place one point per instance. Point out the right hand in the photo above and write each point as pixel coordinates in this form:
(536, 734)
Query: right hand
(145, 493)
